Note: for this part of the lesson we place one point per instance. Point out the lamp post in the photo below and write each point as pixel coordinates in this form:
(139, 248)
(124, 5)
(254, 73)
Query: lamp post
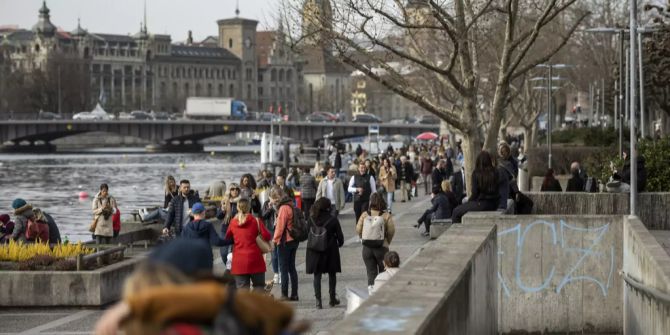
(633, 140)
(550, 117)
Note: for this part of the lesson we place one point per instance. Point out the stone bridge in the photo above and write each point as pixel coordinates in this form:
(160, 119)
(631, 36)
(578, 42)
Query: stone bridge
(181, 135)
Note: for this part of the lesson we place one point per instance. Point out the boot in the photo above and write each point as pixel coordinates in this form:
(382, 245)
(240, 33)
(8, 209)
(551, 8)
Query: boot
(317, 291)
(332, 282)
(318, 302)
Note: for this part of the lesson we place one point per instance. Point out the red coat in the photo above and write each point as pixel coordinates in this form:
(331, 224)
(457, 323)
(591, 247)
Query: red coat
(116, 220)
(247, 256)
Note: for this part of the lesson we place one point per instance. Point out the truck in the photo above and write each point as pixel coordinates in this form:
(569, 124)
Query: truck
(215, 108)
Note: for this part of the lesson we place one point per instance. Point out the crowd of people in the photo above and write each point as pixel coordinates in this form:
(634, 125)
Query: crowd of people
(261, 217)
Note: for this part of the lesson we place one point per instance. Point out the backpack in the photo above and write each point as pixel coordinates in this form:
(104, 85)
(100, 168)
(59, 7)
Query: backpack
(373, 231)
(37, 230)
(298, 230)
(318, 237)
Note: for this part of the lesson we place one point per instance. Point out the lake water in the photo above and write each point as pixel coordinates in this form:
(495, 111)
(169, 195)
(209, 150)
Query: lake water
(53, 182)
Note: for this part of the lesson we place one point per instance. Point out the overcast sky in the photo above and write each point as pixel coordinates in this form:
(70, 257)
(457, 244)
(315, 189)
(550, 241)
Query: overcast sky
(174, 17)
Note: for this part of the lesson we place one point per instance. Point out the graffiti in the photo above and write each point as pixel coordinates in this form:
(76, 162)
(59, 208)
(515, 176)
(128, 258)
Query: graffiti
(387, 318)
(573, 254)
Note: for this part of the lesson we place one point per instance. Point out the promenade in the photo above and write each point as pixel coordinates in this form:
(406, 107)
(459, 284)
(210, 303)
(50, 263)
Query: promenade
(407, 242)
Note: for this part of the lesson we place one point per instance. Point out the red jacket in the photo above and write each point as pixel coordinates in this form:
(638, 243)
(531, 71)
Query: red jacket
(247, 256)
(116, 220)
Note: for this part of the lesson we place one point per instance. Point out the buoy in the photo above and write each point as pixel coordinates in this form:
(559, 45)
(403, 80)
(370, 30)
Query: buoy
(182, 165)
(83, 195)
(211, 153)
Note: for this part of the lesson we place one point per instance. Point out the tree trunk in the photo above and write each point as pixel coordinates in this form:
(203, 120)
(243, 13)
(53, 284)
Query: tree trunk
(472, 139)
(491, 143)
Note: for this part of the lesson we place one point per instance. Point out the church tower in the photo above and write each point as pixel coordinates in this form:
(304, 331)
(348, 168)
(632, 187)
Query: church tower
(317, 16)
(238, 36)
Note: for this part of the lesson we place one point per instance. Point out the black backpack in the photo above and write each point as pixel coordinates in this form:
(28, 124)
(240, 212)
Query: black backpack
(318, 237)
(299, 230)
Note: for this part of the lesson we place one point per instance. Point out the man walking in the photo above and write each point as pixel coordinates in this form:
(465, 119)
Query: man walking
(331, 187)
(405, 174)
(361, 185)
(307, 190)
(426, 170)
(180, 208)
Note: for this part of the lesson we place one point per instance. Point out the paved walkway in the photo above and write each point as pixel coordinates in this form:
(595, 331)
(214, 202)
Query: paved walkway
(407, 241)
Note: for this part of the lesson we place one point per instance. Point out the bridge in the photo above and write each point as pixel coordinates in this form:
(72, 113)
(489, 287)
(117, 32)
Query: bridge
(181, 135)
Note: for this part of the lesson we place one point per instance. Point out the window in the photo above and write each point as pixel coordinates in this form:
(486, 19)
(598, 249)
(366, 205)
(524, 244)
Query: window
(209, 90)
(281, 75)
(230, 43)
(221, 90)
(175, 89)
(231, 91)
(163, 90)
(37, 48)
(234, 74)
(273, 75)
(229, 74)
(260, 77)
(186, 90)
(289, 75)
(260, 92)
(198, 90)
(249, 73)
(273, 92)
(248, 91)
(281, 92)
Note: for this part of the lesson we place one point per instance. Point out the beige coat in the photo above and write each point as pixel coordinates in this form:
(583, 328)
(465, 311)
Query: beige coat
(103, 226)
(389, 229)
(322, 191)
(388, 178)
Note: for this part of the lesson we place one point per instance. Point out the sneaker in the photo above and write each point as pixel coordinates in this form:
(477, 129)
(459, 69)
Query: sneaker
(143, 213)
(370, 289)
(276, 279)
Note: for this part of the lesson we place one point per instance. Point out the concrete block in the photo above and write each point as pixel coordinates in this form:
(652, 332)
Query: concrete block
(65, 288)
(558, 273)
(438, 227)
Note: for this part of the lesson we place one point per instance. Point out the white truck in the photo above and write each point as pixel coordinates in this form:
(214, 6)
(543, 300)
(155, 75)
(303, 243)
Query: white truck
(215, 108)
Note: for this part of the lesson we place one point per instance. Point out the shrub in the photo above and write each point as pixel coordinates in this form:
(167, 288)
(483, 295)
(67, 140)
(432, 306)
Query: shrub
(19, 251)
(590, 137)
(562, 157)
(657, 163)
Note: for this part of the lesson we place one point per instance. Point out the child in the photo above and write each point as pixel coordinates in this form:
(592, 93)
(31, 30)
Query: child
(391, 267)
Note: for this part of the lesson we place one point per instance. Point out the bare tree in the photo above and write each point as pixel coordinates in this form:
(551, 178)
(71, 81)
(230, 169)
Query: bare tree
(446, 41)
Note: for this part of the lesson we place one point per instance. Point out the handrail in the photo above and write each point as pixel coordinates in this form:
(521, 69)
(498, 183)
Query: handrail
(82, 259)
(656, 294)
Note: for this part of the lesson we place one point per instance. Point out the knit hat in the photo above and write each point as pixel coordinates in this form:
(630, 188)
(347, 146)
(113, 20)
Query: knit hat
(18, 203)
(190, 256)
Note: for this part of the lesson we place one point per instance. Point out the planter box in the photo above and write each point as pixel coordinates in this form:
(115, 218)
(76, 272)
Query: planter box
(65, 288)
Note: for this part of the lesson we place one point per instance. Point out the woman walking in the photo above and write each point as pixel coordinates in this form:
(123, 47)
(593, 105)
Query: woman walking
(228, 212)
(376, 230)
(285, 242)
(103, 208)
(325, 257)
(248, 263)
(388, 176)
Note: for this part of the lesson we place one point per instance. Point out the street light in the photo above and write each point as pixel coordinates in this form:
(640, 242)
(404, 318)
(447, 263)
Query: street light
(550, 122)
(633, 140)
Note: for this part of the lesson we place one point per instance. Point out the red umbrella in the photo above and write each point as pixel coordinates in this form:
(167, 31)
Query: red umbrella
(427, 136)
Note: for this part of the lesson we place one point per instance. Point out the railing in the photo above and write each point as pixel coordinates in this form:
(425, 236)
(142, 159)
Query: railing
(98, 256)
(649, 291)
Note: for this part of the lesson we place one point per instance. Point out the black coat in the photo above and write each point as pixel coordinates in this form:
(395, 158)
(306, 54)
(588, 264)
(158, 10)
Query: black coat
(329, 260)
(439, 175)
(54, 233)
(442, 206)
(554, 186)
(458, 187)
(203, 230)
(575, 184)
(176, 209)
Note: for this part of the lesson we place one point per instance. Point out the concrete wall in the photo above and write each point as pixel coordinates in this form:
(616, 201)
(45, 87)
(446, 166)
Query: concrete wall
(557, 273)
(648, 264)
(449, 288)
(653, 208)
(65, 288)
(536, 182)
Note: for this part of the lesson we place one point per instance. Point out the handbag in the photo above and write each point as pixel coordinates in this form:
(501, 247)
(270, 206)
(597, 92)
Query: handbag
(262, 244)
(93, 225)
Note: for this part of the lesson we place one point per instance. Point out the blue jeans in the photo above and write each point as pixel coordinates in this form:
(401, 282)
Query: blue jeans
(156, 214)
(287, 268)
(226, 248)
(275, 260)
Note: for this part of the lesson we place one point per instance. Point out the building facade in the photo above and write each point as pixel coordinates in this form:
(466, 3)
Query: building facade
(148, 71)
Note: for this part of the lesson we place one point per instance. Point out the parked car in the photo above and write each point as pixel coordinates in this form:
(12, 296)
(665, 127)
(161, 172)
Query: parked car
(320, 117)
(267, 117)
(160, 115)
(398, 121)
(140, 115)
(253, 116)
(48, 116)
(428, 119)
(366, 118)
(96, 114)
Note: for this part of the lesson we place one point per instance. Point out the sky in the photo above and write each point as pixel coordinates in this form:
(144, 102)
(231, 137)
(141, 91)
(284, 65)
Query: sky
(173, 17)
